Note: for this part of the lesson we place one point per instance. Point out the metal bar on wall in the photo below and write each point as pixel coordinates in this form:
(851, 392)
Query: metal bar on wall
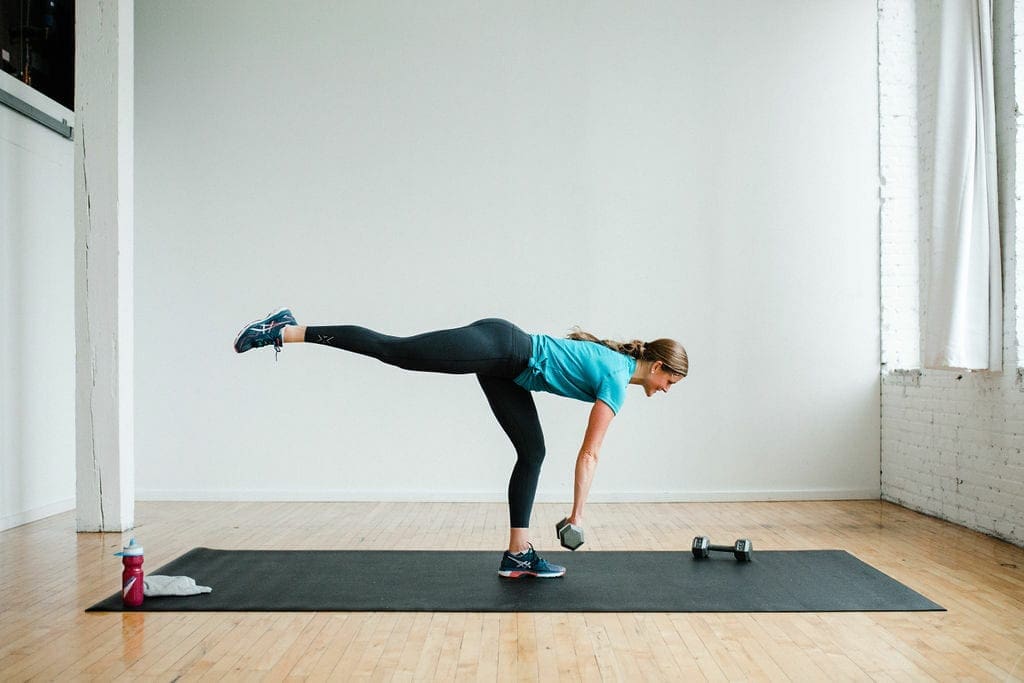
(17, 104)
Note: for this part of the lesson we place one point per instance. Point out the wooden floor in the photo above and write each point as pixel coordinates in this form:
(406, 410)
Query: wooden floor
(49, 575)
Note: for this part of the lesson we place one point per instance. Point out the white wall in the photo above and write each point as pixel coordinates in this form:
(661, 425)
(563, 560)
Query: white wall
(37, 361)
(706, 171)
(951, 441)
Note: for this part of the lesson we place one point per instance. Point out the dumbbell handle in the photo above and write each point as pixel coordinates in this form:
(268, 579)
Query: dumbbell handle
(722, 548)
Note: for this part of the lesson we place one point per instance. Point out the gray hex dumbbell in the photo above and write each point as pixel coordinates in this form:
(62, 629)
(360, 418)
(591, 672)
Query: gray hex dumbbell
(569, 535)
(741, 549)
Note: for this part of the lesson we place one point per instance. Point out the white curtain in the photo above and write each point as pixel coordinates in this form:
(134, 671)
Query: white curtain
(963, 319)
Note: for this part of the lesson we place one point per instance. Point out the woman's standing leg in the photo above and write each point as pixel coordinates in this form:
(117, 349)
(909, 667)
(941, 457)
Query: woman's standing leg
(517, 415)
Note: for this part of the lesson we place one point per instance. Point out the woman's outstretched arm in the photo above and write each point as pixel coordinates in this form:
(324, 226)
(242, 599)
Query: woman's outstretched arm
(586, 462)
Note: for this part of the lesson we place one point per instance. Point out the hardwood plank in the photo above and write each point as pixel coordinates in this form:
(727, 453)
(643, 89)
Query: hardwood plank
(390, 656)
(467, 664)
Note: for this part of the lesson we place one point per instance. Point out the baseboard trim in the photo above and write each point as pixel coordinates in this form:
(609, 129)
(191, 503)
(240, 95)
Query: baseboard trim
(499, 497)
(35, 514)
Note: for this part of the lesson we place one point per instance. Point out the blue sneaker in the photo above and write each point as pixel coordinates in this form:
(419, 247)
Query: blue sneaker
(265, 331)
(528, 564)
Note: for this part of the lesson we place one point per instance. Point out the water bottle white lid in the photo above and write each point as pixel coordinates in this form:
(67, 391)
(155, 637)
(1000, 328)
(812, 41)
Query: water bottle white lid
(131, 550)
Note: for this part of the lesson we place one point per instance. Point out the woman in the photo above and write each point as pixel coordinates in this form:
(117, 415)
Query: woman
(509, 364)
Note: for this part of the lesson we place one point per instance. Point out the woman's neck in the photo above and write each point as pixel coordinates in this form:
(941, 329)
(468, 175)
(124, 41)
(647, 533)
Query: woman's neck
(643, 368)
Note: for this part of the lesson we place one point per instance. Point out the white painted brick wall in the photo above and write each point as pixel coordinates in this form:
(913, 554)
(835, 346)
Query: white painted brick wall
(899, 196)
(951, 442)
(1015, 284)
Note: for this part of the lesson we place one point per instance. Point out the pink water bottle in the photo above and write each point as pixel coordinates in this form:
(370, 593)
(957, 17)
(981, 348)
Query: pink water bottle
(131, 577)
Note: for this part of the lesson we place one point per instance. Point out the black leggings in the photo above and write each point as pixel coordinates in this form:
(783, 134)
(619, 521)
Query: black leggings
(496, 351)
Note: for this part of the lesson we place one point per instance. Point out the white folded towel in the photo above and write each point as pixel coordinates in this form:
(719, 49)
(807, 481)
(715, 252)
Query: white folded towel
(156, 585)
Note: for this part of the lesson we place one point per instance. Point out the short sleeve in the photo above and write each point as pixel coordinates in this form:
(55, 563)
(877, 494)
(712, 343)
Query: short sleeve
(613, 392)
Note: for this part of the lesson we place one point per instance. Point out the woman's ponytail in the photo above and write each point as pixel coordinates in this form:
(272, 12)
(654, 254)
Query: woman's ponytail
(670, 352)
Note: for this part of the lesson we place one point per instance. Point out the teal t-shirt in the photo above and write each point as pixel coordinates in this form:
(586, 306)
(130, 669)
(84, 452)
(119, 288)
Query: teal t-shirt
(583, 370)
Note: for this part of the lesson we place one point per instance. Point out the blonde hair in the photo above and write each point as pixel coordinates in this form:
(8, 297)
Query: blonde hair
(670, 352)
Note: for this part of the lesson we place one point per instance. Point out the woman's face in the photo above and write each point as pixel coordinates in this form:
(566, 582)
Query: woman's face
(660, 379)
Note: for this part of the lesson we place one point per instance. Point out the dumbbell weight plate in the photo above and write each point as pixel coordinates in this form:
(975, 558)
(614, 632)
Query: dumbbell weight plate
(743, 549)
(701, 547)
(569, 535)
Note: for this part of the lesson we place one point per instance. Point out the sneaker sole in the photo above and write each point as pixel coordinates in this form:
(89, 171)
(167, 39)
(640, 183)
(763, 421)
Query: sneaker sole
(515, 574)
(245, 329)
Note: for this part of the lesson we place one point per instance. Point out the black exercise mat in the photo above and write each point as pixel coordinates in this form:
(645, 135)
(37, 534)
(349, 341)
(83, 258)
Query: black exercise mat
(596, 581)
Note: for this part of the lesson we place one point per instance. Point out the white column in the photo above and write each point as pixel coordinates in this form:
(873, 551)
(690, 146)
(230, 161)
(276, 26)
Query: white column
(104, 224)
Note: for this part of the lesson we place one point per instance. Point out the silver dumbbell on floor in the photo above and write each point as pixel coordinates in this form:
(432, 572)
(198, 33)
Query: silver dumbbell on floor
(741, 549)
